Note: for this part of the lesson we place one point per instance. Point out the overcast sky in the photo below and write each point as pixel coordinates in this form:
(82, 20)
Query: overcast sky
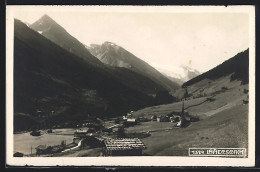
(163, 39)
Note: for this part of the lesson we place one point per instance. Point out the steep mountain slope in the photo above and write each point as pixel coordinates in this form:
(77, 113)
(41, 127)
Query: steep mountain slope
(47, 77)
(219, 79)
(238, 65)
(57, 34)
(54, 32)
(114, 55)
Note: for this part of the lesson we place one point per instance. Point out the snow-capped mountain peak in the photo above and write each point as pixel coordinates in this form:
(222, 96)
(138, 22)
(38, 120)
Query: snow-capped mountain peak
(190, 69)
(178, 74)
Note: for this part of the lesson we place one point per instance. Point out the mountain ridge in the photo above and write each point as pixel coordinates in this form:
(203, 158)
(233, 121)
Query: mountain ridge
(59, 80)
(231, 75)
(114, 55)
(57, 34)
(237, 64)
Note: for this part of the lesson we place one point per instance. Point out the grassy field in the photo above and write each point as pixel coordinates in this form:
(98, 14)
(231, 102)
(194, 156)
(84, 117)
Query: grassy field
(227, 129)
(223, 124)
(234, 95)
(25, 143)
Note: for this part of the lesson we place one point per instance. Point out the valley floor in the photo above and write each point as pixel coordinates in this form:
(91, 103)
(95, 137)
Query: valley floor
(223, 124)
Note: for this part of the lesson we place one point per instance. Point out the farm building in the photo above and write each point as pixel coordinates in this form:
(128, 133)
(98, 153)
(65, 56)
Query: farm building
(245, 102)
(154, 118)
(187, 116)
(175, 118)
(18, 154)
(163, 119)
(142, 119)
(81, 133)
(128, 116)
(131, 120)
(211, 99)
(123, 147)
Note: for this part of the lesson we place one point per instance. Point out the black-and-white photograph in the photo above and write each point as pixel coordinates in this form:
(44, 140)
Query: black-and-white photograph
(131, 81)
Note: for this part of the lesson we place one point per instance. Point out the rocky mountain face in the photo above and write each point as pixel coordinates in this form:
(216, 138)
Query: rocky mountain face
(110, 54)
(114, 55)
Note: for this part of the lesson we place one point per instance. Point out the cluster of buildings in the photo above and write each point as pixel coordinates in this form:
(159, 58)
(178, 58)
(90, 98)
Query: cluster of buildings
(114, 146)
(182, 118)
(171, 117)
(111, 146)
(129, 120)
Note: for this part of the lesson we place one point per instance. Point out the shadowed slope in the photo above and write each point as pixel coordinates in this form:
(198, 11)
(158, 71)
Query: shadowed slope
(238, 65)
(47, 77)
(57, 34)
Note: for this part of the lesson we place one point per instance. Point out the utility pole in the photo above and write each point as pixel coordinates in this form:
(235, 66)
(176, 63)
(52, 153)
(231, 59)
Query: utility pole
(50, 122)
(182, 106)
(182, 114)
(183, 121)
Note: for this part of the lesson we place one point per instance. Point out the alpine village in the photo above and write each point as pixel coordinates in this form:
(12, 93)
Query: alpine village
(74, 100)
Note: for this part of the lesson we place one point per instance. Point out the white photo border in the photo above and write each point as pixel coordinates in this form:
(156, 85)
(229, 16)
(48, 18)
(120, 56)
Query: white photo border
(130, 161)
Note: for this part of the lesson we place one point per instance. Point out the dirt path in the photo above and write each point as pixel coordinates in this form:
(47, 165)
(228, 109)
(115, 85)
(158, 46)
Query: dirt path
(222, 108)
(93, 152)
